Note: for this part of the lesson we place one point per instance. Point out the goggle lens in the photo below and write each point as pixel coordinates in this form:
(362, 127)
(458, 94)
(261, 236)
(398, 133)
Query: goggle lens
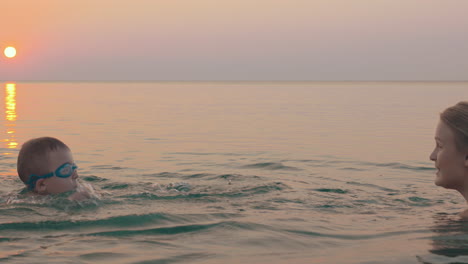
(66, 170)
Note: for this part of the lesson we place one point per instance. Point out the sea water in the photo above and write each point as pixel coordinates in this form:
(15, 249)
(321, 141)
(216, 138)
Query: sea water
(200, 172)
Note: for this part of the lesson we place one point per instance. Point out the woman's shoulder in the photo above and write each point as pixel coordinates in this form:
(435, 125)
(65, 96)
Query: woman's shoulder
(464, 215)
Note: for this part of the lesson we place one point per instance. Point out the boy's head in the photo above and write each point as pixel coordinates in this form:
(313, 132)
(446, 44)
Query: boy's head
(46, 166)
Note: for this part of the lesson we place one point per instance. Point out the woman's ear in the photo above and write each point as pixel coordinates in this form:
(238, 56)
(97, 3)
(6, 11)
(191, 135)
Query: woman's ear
(41, 186)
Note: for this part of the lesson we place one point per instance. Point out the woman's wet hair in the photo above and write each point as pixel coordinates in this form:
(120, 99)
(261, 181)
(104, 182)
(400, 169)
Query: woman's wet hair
(33, 155)
(456, 117)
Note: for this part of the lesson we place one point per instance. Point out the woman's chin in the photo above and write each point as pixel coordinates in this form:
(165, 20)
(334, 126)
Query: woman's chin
(447, 185)
(439, 182)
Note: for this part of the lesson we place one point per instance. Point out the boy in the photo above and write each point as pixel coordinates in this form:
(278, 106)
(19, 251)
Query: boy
(46, 166)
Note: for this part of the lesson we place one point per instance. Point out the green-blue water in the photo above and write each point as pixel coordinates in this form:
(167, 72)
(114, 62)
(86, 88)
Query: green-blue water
(235, 173)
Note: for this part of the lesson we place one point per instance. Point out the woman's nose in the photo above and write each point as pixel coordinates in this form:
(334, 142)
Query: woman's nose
(75, 175)
(433, 156)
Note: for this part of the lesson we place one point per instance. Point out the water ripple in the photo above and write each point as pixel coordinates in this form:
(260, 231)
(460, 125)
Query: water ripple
(356, 237)
(115, 221)
(270, 166)
(182, 258)
(331, 190)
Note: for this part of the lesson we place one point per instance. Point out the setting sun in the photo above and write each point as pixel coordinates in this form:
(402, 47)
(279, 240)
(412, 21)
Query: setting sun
(10, 52)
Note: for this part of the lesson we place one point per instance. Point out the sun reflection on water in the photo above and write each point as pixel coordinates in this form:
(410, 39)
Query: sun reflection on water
(10, 116)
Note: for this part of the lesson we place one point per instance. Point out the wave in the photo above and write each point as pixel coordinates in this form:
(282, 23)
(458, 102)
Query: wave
(107, 167)
(364, 165)
(211, 154)
(356, 237)
(374, 186)
(182, 258)
(397, 165)
(211, 196)
(327, 190)
(124, 221)
(270, 166)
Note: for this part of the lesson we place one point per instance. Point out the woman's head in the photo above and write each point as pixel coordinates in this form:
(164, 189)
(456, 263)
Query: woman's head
(451, 152)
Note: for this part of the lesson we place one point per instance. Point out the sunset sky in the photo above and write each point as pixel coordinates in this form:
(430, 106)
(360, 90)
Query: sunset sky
(318, 40)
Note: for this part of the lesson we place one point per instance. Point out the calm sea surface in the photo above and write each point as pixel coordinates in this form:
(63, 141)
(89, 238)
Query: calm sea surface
(234, 173)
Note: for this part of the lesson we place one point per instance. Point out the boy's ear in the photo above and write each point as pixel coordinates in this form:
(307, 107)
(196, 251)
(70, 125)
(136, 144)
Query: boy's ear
(466, 160)
(40, 187)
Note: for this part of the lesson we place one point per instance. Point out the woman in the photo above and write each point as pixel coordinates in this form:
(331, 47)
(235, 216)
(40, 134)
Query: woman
(451, 152)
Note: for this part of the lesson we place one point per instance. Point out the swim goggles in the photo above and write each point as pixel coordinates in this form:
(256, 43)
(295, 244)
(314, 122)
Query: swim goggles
(64, 171)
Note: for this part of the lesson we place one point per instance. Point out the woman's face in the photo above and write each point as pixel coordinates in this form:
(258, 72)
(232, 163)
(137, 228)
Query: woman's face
(452, 172)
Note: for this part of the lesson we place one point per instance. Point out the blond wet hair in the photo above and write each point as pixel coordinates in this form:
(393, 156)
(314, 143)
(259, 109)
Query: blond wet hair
(456, 117)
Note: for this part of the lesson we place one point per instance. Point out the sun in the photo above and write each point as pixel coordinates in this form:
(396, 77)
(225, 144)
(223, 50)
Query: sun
(10, 52)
